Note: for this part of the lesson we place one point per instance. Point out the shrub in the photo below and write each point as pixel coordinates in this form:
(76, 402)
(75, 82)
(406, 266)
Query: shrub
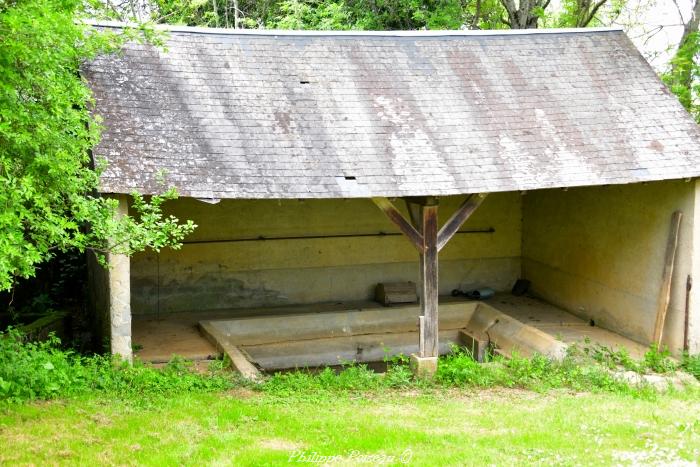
(43, 370)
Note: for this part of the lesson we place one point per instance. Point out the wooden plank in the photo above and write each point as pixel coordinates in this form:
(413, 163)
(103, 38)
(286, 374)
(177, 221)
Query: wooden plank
(667, 276)
(459, 217)
(421, 335)
(686, 323)
(400, 221)
(429, 280)
(338, 350)
(239, 360)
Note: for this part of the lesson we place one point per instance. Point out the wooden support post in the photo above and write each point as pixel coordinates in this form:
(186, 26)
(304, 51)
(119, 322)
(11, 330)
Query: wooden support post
(421, 339)
(423, 233)
(429, 276)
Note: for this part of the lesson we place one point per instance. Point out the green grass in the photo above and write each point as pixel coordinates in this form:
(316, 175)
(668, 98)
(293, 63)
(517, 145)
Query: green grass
(436, 426)
(58, 407)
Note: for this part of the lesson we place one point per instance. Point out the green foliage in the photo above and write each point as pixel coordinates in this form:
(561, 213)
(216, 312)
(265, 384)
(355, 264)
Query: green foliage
(655, 360)
(335, 14)
(46, 133)
(31, 371)
(296, 14)
(43, 370)
(537, 373)
(691, 364)
(578, 371)
(658, 360)
(683, 73)
(610, 358)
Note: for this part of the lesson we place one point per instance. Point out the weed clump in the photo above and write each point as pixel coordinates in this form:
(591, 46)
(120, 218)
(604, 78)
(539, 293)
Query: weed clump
(691, 364)
(43, 370)
(591, 369)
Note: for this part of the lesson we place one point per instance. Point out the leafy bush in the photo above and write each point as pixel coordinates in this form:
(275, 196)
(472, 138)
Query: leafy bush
(48, 129)
(44, 371)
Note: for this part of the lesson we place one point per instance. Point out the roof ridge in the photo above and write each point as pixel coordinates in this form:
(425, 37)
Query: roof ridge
(409, 33)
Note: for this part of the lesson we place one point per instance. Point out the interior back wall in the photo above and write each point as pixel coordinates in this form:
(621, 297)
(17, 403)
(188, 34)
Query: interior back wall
(219, 274)
(599, 252)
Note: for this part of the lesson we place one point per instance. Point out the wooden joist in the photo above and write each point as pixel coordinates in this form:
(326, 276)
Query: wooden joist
(239, 360)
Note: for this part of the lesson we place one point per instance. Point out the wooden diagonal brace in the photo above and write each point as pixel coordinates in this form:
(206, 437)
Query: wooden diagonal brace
(458, 218)
(401, 222)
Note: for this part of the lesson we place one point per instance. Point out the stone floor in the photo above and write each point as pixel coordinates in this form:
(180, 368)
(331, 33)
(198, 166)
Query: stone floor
(177, 334)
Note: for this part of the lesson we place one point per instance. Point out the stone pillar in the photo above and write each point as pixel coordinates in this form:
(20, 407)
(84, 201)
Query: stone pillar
(694, 308)
(120, 297)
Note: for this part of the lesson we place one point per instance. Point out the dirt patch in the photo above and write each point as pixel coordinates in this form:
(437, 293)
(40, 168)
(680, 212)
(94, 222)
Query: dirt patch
(277, 444)
(495, 394)
(100, 419)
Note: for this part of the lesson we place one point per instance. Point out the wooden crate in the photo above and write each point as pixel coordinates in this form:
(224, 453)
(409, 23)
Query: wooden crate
(394, 293)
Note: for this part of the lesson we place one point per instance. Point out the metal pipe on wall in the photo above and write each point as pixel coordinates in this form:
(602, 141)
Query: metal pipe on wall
(488, 230)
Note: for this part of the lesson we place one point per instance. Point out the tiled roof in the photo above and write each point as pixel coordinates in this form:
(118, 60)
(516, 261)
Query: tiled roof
(230, 114)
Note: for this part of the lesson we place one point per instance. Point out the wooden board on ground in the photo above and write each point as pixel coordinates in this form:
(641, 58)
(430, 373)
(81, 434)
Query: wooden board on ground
(239, 360)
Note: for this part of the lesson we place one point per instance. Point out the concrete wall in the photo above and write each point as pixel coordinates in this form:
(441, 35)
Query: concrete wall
(276, 272)
(599, 252)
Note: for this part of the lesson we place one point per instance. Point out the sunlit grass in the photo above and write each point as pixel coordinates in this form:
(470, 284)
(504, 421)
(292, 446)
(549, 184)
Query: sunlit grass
(433, 427)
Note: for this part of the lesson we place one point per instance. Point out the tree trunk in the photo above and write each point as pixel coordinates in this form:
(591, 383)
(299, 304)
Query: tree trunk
(525, 14)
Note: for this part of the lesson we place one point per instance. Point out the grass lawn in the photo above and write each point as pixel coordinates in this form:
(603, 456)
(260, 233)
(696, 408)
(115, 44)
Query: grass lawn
(432, 427)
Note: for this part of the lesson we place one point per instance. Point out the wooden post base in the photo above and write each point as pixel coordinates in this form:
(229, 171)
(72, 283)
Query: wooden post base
(423, 367)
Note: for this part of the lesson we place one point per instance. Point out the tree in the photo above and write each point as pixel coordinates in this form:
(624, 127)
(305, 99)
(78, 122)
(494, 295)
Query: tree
(370, 14)
(330, 14)
(48, 188)
(684, 68)
(525, 13)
